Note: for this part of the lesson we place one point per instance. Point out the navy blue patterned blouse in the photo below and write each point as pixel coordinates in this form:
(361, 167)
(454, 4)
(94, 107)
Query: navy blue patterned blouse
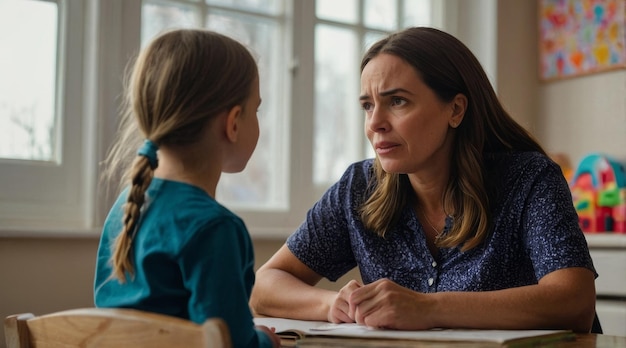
(535, 231)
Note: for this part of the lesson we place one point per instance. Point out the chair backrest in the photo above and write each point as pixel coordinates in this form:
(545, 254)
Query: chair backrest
(112, 327)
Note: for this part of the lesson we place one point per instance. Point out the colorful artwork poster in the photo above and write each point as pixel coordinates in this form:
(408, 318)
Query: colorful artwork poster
(579, 37)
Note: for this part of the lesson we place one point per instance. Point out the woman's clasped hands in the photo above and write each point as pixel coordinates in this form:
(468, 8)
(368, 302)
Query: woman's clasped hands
(381, 304)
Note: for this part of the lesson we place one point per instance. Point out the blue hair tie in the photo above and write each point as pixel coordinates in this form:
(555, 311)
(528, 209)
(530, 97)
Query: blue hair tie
(149, 151)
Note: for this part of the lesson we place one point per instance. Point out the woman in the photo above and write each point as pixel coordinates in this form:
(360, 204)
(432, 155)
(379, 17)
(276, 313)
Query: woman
(461, 220)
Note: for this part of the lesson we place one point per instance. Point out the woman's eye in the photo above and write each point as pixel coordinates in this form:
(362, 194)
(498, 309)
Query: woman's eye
(396, 101)
(366, 106)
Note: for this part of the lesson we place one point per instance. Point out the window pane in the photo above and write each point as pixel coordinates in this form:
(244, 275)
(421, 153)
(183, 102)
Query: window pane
(416, 13)
(272, 7)
(345, 11)
(28, 32)
(338, 127)
(157, 17)
(381, 14)
(371, 37)
(263, 183)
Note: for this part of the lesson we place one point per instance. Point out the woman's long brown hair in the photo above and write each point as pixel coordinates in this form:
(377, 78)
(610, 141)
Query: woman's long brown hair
(448, 67)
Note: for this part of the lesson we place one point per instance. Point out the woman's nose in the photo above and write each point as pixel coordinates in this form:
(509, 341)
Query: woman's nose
(377, 122)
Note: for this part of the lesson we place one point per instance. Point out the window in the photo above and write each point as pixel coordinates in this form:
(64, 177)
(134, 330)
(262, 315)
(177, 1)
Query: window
(41, 157)
(27, 90)
(311, 124)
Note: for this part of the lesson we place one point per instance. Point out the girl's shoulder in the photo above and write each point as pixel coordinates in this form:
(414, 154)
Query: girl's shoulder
(188, 204)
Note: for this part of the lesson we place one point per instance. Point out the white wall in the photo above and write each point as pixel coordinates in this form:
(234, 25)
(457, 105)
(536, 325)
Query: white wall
(475, 23)
(575, 116)
(584, 114)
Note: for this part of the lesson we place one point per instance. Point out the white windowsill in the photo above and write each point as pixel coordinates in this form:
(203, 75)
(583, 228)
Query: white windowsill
(43, 232)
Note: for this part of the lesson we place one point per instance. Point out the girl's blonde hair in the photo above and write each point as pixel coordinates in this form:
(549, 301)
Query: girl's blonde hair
(177, 84)
(448, 67)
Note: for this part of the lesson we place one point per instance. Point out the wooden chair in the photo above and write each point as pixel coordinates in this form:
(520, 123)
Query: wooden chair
(112, 327)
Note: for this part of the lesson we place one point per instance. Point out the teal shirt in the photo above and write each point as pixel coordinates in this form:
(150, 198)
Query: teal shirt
(193, 259)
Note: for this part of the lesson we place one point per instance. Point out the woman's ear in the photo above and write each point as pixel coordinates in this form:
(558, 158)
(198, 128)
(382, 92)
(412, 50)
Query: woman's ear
(459, 106)
(232, 123)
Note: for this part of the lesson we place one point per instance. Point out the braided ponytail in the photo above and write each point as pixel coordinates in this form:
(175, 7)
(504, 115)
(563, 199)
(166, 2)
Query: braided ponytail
(141, 176)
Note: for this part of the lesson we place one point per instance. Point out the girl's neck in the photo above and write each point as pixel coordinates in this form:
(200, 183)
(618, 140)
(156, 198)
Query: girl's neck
(191, 166)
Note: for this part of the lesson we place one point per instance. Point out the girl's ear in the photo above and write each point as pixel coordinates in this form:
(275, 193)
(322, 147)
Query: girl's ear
(459, 106)
(232, 123)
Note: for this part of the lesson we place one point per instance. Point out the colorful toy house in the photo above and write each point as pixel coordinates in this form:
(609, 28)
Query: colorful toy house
(599, 192)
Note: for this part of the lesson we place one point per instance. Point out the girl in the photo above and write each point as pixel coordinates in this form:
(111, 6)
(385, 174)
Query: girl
(167, 245)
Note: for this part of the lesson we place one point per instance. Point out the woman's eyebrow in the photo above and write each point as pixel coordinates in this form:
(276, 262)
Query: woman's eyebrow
(386, 93)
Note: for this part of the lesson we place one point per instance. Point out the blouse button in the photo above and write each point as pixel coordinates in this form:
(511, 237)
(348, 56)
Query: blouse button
(430, 281)
(434, 263)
